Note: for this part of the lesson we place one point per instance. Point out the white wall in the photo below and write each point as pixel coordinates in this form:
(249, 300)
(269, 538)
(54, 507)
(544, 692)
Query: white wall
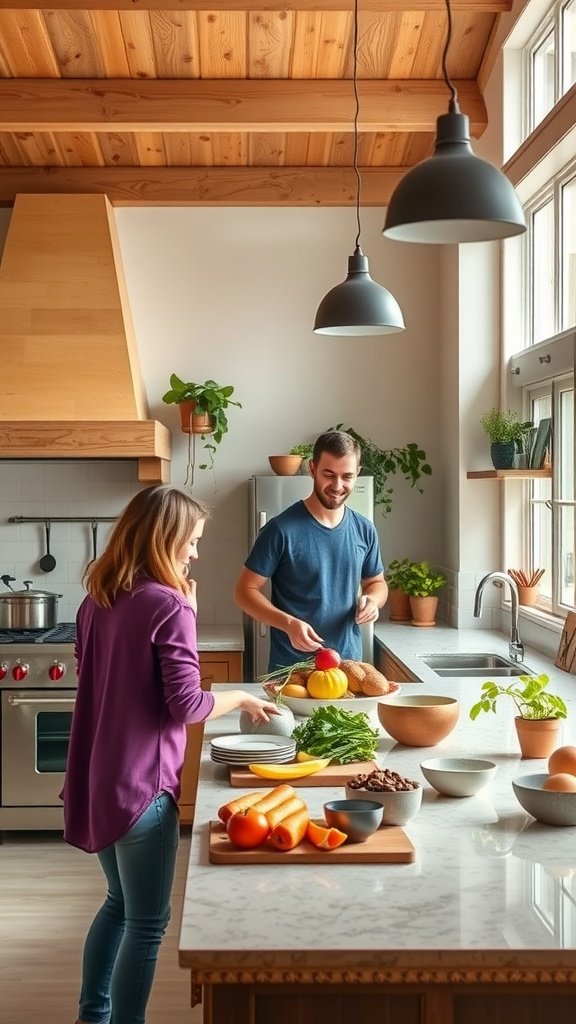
(232, 294)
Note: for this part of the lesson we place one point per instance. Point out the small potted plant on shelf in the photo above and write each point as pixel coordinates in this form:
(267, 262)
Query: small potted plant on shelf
(422, 584)
(396, 577)
(202, 411)
(305, 451)
(507, 435)
(539, 712)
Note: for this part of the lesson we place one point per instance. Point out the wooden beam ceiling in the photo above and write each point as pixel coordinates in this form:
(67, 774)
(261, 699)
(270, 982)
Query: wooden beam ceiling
(476, 6)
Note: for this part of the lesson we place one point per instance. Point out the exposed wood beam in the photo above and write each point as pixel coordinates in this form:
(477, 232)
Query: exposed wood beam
(264, 105)
(217, 186)
(474, 6)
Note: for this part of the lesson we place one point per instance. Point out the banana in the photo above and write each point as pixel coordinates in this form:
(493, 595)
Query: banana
(289, 771)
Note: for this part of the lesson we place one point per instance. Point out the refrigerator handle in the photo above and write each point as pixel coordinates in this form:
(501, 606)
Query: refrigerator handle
(263, 629)
(261, 520)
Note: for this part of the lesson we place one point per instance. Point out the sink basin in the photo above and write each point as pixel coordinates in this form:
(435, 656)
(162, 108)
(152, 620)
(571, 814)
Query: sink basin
(474, 665)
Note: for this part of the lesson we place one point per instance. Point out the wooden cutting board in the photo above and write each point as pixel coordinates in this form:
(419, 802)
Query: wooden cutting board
(333, 775)
(388, 845)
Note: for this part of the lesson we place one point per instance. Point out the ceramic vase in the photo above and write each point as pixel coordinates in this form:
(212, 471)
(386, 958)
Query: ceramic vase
(537, 737)
(502, 454)
(399, 606)
(423, 610)
(527, 595)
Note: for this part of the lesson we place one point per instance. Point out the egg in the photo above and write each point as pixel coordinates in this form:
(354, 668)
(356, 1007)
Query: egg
(562, 782)
(563, 760)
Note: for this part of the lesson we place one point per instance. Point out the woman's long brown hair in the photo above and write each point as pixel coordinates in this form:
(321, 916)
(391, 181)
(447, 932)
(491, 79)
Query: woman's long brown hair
(155, 524)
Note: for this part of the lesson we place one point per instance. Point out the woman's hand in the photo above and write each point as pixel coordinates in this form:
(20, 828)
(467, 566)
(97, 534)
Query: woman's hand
(192, 594)
(259, 710)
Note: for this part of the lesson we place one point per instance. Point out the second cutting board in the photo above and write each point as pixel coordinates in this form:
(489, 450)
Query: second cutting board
(333, 775)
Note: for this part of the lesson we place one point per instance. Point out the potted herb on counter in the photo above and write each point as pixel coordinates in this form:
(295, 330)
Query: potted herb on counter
(539, 712)
(396, 577)
(422, 584)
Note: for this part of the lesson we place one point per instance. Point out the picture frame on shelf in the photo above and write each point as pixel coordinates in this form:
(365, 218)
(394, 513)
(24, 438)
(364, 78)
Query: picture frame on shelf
(541, 444)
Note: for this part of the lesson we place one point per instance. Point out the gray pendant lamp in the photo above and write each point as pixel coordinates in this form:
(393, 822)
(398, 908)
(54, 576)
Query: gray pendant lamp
(453, 196)
(358, 305)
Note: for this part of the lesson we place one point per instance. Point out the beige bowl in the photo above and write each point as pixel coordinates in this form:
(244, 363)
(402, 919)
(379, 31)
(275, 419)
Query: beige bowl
(419, 721)
(285, 465)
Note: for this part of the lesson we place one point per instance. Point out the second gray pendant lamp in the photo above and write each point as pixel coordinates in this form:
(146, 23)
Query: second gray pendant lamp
(358, 305)
(453, 196)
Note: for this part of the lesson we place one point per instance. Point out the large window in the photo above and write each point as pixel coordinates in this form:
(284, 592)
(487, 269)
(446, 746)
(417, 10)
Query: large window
(550, 264)
(550, 61)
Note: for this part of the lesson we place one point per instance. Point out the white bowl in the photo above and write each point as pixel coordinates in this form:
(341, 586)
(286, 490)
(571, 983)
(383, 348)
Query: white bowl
(547, 806)
(458, 776)
(399, 805)
(306, 705)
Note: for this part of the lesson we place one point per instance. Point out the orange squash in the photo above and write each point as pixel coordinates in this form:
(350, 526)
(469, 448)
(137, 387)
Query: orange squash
(327, 684)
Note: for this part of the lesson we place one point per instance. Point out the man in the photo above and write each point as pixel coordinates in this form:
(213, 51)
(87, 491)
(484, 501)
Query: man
(323, 562)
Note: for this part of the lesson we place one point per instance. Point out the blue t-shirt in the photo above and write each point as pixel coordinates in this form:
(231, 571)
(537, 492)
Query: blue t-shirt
(315, 573)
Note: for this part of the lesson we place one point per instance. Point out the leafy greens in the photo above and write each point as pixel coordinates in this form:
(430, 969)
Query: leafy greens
(343, 736)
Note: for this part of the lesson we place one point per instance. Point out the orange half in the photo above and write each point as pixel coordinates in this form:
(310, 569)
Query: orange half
(323, 837)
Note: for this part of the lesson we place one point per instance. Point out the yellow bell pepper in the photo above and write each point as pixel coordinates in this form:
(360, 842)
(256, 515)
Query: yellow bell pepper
(327, 684)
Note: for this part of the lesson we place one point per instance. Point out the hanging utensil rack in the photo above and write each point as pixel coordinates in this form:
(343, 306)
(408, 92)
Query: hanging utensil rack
(62, 519)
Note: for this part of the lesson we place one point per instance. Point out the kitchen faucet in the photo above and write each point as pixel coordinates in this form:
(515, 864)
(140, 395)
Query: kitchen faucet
(515, 647)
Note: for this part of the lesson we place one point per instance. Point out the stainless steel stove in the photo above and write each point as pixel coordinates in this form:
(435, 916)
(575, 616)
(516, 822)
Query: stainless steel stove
(37, 694)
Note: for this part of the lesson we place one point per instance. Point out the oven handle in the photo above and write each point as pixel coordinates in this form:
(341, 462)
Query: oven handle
(17, 701)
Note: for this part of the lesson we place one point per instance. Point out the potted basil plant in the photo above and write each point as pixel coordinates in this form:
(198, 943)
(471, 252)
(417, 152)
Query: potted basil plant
(422, 584)
(539, 712)
(396, 577)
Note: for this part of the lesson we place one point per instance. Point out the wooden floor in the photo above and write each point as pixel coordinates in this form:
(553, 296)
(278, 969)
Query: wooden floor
(49, 893)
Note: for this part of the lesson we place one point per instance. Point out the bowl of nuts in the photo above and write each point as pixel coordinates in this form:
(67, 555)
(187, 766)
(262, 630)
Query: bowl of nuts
(400, 797)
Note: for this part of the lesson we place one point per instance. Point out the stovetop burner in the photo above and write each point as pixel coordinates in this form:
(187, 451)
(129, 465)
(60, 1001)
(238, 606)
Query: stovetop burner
(64, 633)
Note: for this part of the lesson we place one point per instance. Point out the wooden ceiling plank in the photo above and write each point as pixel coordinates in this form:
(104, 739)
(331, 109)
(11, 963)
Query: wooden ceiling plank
(266, 149)
(139, 43)
(187, 105)
(402, 60)
(269, 38)
(218, 186)
(295, 149)
(118, 149)
(175, 39)
(258, 5)
(334, 46)
(230, 149)
(108, 28)
(305, 46)
(75, 44)
(25, 45)
(150, 149)
(201, 150)
(80, 149)
(39, 149)
(223, 45)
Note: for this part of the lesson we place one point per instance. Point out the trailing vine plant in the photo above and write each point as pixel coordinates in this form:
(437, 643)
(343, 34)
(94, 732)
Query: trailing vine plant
(381, 463)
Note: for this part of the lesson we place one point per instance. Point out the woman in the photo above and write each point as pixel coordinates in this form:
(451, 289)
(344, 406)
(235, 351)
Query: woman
(138, 688)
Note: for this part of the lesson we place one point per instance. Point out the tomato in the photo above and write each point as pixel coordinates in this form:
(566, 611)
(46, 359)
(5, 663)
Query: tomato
(248, 829)
(326, 658)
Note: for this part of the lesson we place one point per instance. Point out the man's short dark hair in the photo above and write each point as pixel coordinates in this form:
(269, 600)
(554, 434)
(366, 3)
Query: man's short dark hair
(337, 443)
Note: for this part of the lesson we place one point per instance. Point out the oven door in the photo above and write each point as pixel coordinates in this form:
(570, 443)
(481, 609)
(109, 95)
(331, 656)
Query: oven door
(35, 733)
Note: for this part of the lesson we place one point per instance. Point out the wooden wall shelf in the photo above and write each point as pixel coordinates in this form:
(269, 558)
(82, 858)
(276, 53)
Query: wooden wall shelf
(509, 474)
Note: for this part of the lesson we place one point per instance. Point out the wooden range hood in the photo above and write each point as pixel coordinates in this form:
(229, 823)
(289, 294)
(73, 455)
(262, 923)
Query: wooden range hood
(71, 382)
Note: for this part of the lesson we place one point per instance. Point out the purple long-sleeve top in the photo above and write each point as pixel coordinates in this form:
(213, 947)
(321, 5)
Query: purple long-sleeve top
(138, 688)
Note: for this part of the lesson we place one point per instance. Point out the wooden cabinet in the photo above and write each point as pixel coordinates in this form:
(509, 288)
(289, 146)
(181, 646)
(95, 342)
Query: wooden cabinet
(215, 667)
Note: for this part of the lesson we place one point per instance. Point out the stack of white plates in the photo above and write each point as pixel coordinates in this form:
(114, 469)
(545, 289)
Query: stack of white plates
(260, 749)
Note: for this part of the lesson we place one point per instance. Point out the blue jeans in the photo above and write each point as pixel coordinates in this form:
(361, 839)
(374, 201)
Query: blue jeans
(121, 947)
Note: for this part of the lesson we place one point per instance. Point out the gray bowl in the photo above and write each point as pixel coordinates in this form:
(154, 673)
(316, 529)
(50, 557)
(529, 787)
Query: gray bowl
(549, 807)
(359, 819)
(458, 776)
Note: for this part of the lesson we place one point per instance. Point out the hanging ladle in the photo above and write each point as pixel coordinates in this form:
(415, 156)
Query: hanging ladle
(47, 562)
(94, 539)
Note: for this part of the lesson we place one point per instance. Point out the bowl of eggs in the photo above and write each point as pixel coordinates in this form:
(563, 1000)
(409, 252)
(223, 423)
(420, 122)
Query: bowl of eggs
(551, 798)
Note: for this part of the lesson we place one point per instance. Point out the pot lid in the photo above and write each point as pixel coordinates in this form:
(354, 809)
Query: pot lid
(28, 592)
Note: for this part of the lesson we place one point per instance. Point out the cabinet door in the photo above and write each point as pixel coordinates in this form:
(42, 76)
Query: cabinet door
(394, 670)
(215, 667)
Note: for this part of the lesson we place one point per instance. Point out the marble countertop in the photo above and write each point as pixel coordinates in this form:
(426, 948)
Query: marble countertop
(487, 877)
(220, 638)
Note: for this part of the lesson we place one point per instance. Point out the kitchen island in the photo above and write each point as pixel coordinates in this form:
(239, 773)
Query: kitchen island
(481, 927)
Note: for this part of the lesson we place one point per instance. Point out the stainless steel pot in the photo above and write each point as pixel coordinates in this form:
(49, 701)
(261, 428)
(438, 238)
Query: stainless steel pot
(28, 609)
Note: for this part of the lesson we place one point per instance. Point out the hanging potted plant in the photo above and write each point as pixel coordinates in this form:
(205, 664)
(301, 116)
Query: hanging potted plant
(396, 577)
(507, 435)
(422, 584)
(539, 713)
(202, 411)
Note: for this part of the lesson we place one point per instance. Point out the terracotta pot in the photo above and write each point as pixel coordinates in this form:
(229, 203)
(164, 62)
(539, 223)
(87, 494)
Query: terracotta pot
(285, 465)
(399, 606)
(423, 610)
(537, 737)
(195, 423)
(527, 595)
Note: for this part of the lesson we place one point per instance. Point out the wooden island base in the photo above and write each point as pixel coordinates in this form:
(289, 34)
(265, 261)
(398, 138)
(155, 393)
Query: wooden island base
(440, 1002)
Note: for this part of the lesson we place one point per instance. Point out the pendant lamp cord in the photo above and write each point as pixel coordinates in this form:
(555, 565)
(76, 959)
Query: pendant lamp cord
(453, 105)
(358, 250)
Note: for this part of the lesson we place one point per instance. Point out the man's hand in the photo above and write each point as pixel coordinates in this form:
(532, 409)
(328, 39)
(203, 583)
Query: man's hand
(366, 610)
(302, 636)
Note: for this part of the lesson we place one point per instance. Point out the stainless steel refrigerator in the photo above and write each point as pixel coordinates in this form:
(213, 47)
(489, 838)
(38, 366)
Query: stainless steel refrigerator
(269, 495)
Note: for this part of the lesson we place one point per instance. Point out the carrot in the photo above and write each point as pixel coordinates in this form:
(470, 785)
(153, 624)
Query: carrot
(290, 831)
(242, 803)
(274, 798)
(277, 814)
